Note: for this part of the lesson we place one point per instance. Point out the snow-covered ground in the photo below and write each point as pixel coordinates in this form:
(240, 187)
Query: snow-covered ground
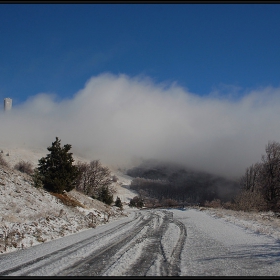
(227, 245)
(264, 223)
(192, 243)
(219, 241)
(30, 216)
(122, 187)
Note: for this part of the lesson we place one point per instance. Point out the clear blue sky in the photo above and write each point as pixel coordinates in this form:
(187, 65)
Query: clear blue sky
(56, 48)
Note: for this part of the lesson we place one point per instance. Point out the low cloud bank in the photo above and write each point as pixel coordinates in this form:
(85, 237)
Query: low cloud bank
(121, 120)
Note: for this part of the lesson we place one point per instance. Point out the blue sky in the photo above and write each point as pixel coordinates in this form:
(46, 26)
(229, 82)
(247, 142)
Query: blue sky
(197, 84)
(57, 48)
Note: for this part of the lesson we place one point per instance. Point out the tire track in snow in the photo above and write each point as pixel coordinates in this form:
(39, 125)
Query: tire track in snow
(137, 247)
(137, 252)
(105, 258)
(166, 263)
(27, 268)
(153, 259)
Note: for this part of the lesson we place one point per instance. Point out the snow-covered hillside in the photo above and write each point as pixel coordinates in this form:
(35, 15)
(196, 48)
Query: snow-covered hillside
(30, 216)
(14, 155)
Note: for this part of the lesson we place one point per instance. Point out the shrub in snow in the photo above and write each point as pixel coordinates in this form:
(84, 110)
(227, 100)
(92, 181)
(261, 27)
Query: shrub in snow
(215, 203)
(10, 237)
(115, 178)
(3, 162)
(228, 205)
(250, 201)
(105, 196)
(118, 203)
(169, 202)
(152, 203)
(136, 202)
(24, 167)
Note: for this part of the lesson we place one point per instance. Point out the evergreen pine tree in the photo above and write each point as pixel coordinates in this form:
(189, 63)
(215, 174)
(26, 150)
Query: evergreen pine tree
(105, 196)
(56, 169)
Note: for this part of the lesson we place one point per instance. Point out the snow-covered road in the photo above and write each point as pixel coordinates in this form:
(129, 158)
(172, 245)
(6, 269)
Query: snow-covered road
(152, 243)
(215, 247)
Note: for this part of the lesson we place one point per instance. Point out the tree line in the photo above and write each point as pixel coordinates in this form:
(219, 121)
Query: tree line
(260, 185)
(161, 183)
(258, 189)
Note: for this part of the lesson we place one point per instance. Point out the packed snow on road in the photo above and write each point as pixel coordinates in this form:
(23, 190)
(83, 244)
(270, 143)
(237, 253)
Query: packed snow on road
(152, 242)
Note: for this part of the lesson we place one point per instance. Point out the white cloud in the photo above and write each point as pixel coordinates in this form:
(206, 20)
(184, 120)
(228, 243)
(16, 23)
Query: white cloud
(118, 118)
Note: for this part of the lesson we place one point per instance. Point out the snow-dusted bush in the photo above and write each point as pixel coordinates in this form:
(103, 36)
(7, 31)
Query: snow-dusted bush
(3, 162)
(228, 205)
(118, 203)
(24, 167)
(250, 201)
(216, 203)
(152, 203)
(169, 202)
(136, 202)
(115, 178)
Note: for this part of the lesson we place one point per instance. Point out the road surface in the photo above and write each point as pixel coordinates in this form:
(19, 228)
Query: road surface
(151, 243)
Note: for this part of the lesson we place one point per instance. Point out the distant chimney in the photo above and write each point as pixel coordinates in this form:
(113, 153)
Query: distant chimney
(7, 104)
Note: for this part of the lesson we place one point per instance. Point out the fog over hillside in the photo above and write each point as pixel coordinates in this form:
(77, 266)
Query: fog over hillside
(122, 120)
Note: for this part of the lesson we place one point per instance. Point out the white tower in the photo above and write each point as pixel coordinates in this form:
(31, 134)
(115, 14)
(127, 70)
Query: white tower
(7, 104)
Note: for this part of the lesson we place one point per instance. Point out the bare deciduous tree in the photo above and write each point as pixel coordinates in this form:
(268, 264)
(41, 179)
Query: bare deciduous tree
(93, 177)
(270, 177)
(82, 181)
(250, 181)
(261, 183)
